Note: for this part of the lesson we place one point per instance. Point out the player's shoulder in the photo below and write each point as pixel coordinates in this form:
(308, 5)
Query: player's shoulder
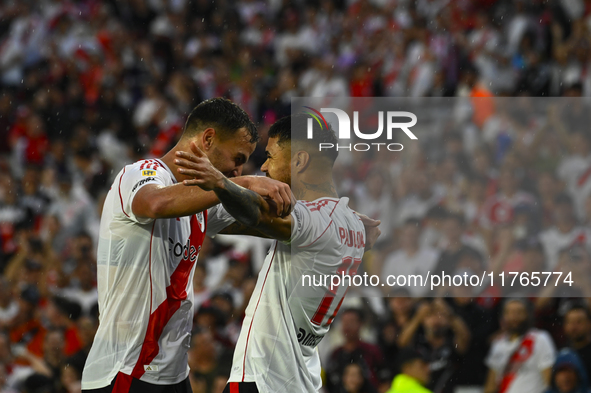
(148, 168)
(541, 335)
(327, 210)
(321, 205)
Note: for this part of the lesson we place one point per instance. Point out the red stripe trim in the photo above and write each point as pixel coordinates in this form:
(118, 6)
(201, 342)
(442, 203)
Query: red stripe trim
(336, 310)
(583, 178)
(254, 312)
(234, 388)
(323, 309)
(122, 383)
(176, 293)
(120, 197)
(335, 206)
(150, 263)
(319, 236)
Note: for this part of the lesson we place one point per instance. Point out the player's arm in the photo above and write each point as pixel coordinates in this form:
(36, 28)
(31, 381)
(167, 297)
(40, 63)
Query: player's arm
(248, 207)
(237, 228)
(250, 210)
(156, 201)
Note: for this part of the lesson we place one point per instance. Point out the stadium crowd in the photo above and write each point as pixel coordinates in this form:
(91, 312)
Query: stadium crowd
(89, 86)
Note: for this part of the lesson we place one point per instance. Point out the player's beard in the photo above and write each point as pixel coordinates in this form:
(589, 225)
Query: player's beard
(281, 176)
(520, 329)
(216, 158)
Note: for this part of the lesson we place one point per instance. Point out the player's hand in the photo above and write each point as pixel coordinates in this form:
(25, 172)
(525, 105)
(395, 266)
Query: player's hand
(198, 166)
(372, 232)
(367, 221)
(275, 191)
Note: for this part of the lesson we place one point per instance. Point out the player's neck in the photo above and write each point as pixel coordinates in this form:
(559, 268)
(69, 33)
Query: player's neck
(169, 158)
(307, 189)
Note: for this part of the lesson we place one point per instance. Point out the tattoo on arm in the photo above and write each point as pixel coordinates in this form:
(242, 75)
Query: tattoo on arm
(243, 204)
(325, 188)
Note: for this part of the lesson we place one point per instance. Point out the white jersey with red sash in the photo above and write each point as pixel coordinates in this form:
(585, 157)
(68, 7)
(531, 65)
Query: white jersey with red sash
(519, 363)
(144, 272)
(288, 315)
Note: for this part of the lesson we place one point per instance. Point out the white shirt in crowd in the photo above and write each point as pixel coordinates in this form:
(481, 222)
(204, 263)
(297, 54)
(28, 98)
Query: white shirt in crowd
(528, 378)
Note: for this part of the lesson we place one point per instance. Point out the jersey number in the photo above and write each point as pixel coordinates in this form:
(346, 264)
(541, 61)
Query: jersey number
(348, 268)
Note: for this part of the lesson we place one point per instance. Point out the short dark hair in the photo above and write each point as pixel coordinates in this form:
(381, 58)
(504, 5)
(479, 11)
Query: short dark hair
(295, 128)
(223, 115)
(579, 307)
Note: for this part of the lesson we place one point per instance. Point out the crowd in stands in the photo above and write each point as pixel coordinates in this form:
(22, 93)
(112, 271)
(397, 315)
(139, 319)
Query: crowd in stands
(88, 86)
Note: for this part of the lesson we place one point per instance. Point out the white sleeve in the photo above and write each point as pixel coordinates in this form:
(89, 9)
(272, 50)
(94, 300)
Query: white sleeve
(133, 178)
(546, 353)
(217, 219)
(307, 227)
(494, 359)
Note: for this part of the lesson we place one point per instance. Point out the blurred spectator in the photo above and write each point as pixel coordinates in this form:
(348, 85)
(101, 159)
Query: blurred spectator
(50, 364)
(201, 292)
(355, 379)
(365, 354)
(454, 243)
(82, 288)
(521, 359)
(577, 329)
(442, 337)
(207, 361)
(400, 307)
(414, 373)
(8, 304)
(471, 369)
(568, 374)
(26, 324)
(565, 233)
(422, 196)
(410, 258)
(72, 208)
(499, 208)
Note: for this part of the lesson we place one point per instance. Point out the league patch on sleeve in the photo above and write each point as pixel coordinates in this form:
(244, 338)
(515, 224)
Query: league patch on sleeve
(148, 172)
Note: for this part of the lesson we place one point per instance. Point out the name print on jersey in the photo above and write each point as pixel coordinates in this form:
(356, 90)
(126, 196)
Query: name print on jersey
(351, 239)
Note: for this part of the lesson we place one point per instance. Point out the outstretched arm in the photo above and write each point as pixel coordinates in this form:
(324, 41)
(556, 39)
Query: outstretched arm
(246, 206)
(154, 201)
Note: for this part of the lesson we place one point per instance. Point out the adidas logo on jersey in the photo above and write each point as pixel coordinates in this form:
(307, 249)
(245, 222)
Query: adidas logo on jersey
(147, 367)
